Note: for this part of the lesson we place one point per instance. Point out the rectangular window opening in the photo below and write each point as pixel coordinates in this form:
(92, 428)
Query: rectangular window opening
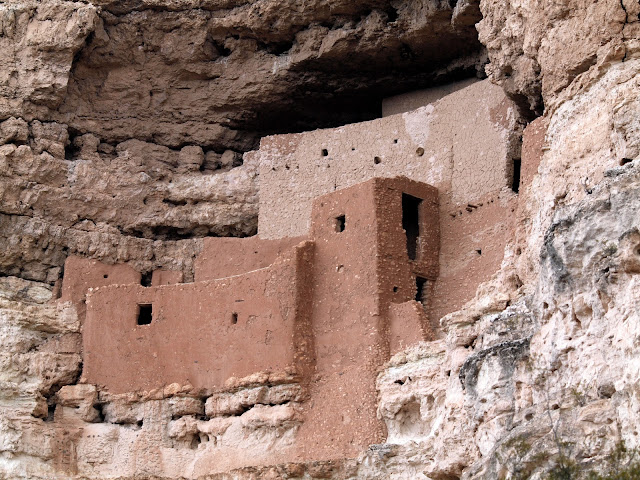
(421, 293)
(515, 181)
(144, 314)
(145, 279)
(411, 223)
(340, 223)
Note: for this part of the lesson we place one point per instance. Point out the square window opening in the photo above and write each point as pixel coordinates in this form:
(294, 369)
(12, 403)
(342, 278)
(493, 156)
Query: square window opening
(339, 223)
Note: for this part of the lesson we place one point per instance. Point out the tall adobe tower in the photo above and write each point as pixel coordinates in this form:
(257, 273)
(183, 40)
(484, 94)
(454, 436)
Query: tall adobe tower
(375, 244)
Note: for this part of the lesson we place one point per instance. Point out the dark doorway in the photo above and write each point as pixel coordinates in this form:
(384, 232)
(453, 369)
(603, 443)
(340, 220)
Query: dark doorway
(420, 290)
(144, 314)
(411, 223)
(515, 181)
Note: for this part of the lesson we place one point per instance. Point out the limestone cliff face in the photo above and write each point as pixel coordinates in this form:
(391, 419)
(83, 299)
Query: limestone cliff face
(121, 121)
(122, 126)
(539, 48)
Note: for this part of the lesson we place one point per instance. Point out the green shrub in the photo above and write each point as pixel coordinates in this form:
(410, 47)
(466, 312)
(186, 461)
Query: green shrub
(621, 464)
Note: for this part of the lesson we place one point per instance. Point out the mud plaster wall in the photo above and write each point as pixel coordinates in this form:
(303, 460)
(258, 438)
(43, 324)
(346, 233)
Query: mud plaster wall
(329, 310)
(462, 144)
(82, 274)
(474, 236)
(248, 299)
(353, 288)
(406, 102)
(201, 333)
(225, 257)
(473, 240)
(398, 273)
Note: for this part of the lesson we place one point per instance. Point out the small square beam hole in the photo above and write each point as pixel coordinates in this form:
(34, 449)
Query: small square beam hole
(340, 223)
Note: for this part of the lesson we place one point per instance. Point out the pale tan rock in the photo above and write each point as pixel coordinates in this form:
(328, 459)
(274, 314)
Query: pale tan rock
(550, 340)
(180, 406)
(79, 401)
(279, 394)
(230, 159)
(263, 416)
(40, 34)
(14, 130)
(215, 427)
(536, 51)
(184, 427)
(87, 146)
(234, 403)
(190, 159)
(121, 411)
(77, 395)
(49, 136)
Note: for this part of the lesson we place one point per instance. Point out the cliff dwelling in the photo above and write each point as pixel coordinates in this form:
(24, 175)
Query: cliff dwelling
(351, 264)
(304, 240)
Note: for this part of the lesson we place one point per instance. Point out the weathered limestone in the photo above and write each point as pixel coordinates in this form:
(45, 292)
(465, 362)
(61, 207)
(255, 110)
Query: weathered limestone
(95, 100)
(538, 49)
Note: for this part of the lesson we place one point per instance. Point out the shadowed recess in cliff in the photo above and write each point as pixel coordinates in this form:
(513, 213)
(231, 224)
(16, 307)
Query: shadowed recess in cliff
(223, 79)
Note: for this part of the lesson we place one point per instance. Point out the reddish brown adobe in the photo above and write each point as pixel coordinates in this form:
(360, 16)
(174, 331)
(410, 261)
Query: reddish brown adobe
(380, 262)
(331, 309)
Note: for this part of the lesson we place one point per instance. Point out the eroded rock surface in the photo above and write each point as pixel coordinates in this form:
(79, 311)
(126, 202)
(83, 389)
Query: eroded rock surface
(122, 127)
(128, 120)
(219, 74)
(537, 48)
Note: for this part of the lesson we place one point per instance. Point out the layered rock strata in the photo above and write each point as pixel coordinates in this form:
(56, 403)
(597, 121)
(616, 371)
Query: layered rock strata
(548, 346)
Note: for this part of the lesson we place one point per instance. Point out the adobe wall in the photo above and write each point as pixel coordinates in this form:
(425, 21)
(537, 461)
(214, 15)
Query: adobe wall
(346, 326)
(406, 325)
(225, 257)
(81, 274)
(330, 309)
(472, 245)
(360, 270)
(463, 144)
(166, 277)
(394, 262)
(406, 102)
(201, 333)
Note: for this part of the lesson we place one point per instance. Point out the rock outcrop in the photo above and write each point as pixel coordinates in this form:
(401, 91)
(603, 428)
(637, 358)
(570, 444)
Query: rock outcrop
(538, 48)
(124, 120)
(122, 129)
